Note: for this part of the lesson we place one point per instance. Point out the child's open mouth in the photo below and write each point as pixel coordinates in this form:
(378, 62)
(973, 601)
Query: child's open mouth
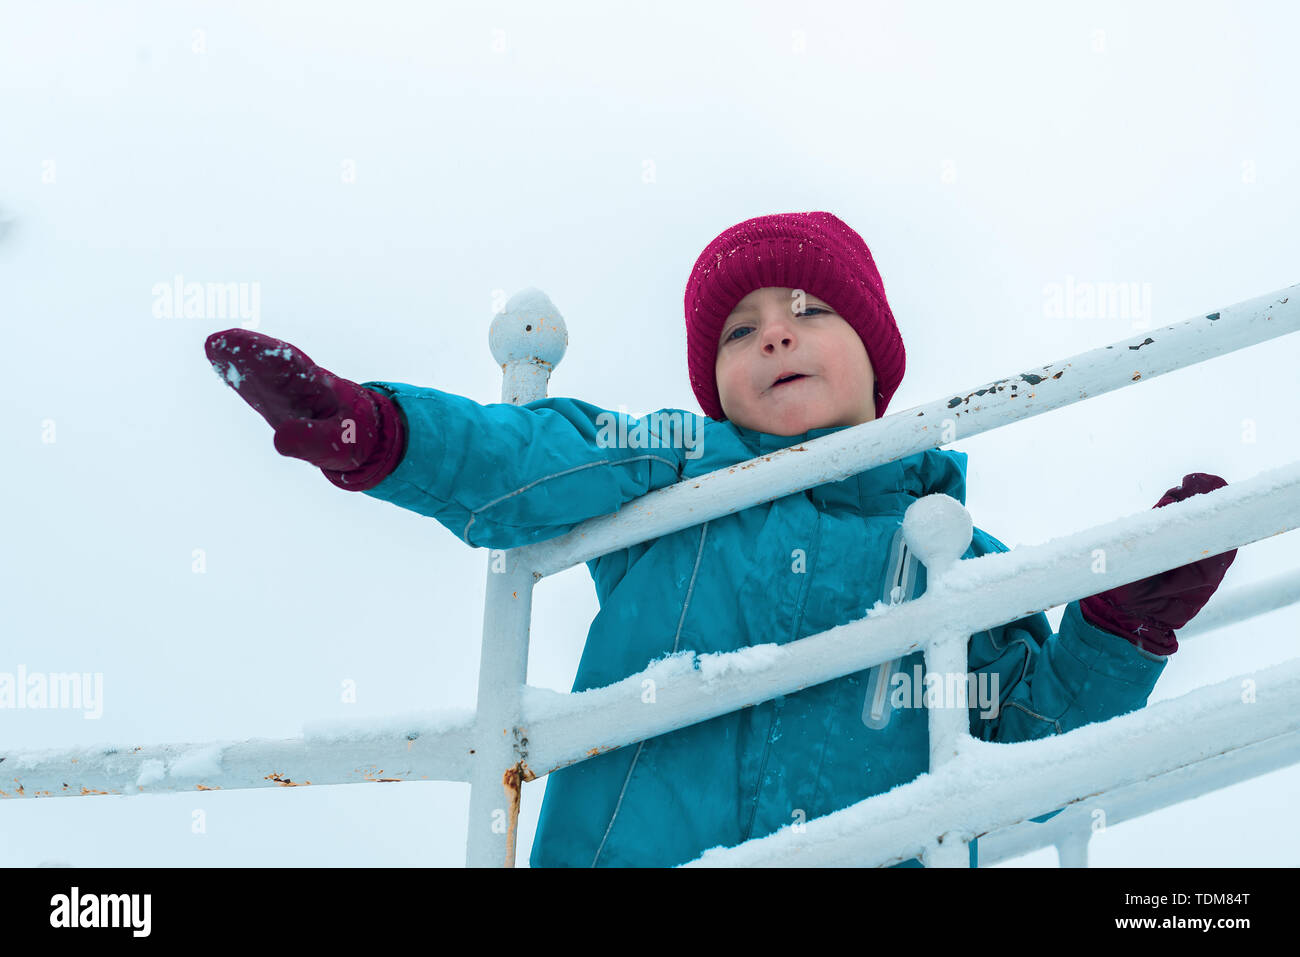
(786, 380)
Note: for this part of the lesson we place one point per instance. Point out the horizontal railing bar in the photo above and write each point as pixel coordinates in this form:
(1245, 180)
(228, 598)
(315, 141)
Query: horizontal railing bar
(969, 794)
(433, 748)
(989, 591)
(1135, 800)
(568, 728)
(1247, 601)
(861, 447)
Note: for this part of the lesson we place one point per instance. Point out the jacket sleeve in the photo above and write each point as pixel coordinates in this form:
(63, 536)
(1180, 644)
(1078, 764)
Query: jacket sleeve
(1053, 683)
(1050, 683)
(502, 475)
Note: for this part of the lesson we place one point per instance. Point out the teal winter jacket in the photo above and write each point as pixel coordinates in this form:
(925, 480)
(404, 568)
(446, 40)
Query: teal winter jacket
(501, 476)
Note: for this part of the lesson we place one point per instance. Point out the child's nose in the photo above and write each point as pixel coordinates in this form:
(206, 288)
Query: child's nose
(778, 331)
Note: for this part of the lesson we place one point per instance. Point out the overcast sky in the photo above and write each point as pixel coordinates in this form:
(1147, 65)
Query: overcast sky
(385, 175)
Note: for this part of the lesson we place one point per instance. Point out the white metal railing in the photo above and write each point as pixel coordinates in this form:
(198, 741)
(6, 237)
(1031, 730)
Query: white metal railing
(518, 733)
(1167, 744)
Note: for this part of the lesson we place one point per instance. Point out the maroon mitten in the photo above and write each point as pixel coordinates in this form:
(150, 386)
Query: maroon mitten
(1147, 612)
(353, 434)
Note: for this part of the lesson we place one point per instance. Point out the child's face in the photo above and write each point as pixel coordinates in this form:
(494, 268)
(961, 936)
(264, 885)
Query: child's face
(764, 338)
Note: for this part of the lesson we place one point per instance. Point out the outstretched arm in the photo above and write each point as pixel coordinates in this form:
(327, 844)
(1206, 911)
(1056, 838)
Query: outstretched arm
(496, 475)
(502, 475)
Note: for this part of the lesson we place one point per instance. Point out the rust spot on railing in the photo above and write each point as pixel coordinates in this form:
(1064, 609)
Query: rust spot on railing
(373, 774)
(510, 781)
(86, 790)
(284, 782)
(206, 787)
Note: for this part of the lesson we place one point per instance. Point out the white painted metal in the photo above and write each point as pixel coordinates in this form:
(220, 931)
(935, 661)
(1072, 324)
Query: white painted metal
(970, 795)
(941, 422)
(990, 591)
(422, 750)
(528, 339)
(1127, 802)
(938, 531)
(565, 729)
(1072, 849)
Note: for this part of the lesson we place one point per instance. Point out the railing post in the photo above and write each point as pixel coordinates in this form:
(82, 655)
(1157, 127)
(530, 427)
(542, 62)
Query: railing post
(528, 339)
(938, 530)
(1072, 849)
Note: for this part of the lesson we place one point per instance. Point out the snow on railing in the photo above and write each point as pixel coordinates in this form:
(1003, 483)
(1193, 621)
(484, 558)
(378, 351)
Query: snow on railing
(1161, 745)
(518, 732)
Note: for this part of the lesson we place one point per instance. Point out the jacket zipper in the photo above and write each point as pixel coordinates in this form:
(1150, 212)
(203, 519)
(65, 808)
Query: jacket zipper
(777, 705)
(681, 620)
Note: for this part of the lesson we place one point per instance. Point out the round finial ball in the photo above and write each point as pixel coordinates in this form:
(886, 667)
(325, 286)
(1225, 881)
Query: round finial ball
(528, 328)
(938, 529)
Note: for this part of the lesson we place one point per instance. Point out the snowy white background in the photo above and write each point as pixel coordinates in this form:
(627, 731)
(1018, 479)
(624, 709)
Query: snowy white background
(983, 151)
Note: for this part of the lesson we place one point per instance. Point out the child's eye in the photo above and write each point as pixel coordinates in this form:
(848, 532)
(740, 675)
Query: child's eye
(811, 309)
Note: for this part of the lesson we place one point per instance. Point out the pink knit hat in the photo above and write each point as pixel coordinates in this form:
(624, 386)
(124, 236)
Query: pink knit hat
(816, 252)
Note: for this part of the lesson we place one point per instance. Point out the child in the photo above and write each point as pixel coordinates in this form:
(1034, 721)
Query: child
(789, 337)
